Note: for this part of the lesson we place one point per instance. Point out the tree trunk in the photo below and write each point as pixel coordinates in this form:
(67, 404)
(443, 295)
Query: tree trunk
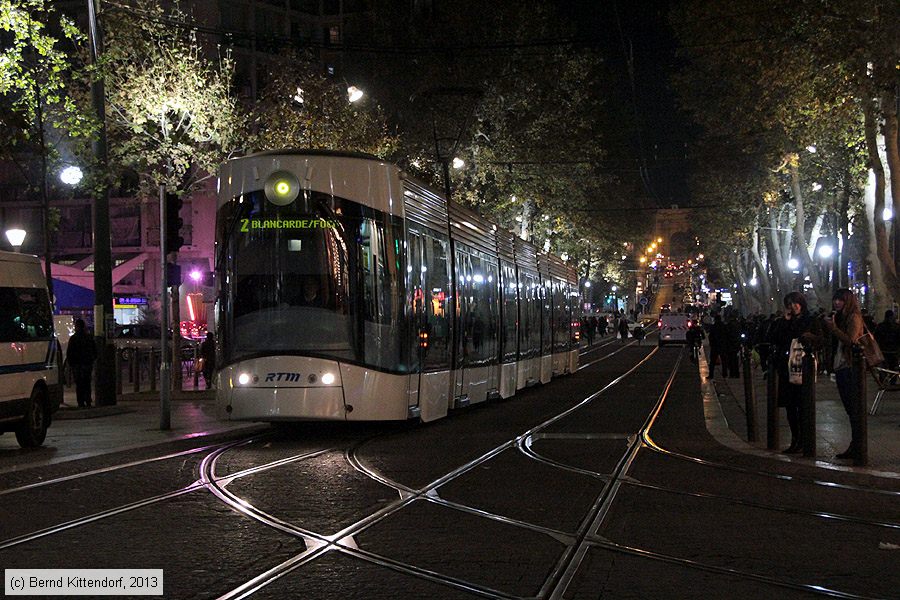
(892, 154)
(881, 253)
(844, 225)
(765, 283)
(821, 298)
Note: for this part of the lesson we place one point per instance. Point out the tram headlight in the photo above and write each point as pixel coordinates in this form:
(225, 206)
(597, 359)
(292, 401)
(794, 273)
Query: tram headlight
(244, 378)
(328, 378)
(282, 188)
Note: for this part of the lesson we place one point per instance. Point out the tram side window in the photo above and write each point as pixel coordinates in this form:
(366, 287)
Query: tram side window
(438, 309)
(479, 308)
(530, 329)
(380, 270)
(561, 316)
(510, 311)
(546, 292)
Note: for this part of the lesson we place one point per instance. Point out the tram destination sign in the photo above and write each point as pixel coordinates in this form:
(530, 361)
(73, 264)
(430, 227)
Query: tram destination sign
(250, 224)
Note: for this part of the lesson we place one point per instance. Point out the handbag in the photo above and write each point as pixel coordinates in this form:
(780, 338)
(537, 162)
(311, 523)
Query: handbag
(795, 362)
(871, 349)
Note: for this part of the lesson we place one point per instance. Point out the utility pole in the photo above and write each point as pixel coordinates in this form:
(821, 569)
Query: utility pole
(105, 390)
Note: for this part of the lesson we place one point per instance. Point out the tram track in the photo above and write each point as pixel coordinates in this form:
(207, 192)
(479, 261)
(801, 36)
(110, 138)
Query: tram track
(344, 540)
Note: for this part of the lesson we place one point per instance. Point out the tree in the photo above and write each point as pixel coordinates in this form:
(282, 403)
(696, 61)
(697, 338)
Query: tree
(171, 115)
(302, 108)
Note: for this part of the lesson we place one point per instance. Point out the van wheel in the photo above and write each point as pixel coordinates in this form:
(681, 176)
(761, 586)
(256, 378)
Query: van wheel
(33, 429)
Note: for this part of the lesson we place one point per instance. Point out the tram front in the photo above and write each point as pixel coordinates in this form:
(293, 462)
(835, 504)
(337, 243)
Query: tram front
(310, 274)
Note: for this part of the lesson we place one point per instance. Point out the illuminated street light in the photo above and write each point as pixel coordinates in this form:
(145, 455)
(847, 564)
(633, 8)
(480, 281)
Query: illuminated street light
(16, 238)
(793, 263)
(587, 284)
(825, 251)
(354, 94)
(754, 281)
(196, 275)
(887, 214)
(71, 175)
(615, 288)
(811, 149)
(659, 239)
(458, 163)
(643, 259)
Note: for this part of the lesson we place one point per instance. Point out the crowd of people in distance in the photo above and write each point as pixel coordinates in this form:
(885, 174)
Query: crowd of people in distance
(830, 334)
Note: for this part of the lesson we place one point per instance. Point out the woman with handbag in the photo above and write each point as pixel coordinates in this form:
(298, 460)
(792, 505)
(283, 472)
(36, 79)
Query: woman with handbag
(846, 325)
(796, 324)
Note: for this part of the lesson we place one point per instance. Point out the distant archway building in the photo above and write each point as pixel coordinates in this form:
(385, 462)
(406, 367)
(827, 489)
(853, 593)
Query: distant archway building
(675, 227)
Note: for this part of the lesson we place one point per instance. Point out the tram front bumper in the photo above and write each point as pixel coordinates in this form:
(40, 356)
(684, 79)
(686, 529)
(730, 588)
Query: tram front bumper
(286, 404)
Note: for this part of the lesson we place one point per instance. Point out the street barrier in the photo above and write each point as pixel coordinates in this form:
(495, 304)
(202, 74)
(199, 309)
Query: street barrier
(749, 400)
(808, 403)
(772, 406)
(859, 424)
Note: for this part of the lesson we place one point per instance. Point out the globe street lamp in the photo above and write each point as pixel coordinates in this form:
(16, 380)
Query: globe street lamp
(16, 238)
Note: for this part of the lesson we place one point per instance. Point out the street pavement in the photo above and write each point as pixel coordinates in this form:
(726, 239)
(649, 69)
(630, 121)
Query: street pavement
(135, 419)
(727, 421)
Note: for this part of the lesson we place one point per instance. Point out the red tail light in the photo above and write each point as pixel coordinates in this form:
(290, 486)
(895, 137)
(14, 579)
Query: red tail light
(690, 324)
(659, 323)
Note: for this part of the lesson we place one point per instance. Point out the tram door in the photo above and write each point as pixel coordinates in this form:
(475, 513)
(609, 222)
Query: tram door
(430, 316)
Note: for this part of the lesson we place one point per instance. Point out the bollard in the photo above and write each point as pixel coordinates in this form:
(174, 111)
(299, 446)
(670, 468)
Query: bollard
(859, 424)
(118, 367)
(808, 404)
(772, 405)
(136, 359)
(749, 400)
(196, 370)
(154, 367)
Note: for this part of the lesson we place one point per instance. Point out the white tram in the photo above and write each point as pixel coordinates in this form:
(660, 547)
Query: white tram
(347, 291)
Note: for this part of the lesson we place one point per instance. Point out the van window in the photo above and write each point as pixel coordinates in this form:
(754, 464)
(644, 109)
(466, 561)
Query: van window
(25, 315)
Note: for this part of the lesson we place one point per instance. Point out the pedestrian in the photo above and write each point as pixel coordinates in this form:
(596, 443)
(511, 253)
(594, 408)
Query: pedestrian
(80, 355)
(887, 334)
(797, 323)
(591, 330)
(638, 333)
(623, 328)
(718, 341)
(602, 325)
(846, 325)
(208, 355)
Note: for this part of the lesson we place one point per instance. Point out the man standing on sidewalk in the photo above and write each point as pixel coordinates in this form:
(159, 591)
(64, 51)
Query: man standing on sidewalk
(80, 356)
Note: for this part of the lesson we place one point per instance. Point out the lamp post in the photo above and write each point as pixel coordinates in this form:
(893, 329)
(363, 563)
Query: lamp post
(16, 238)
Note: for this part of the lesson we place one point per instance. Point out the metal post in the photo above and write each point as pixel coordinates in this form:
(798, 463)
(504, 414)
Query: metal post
(165, 415)
(808, 404)
(196, 370)
(154, 358)
(749, 400)
(105, 390)
(859, 423)
(772, 405)
(136, 359)
(118, 363)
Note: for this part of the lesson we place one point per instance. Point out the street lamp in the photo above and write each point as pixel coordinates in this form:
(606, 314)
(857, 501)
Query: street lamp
(793, 264)
(71, 175)
(825, 251)
(887, 214)
(458, 163)
(16, 238)
(354, 94)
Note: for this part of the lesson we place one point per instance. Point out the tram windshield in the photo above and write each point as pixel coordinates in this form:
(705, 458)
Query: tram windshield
(319, 277)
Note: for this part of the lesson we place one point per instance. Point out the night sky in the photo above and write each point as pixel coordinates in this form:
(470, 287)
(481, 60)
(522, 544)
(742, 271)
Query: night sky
(647, 137)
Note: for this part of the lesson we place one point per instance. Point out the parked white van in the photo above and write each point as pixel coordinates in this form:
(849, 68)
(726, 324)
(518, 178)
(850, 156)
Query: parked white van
(30, 383)
(673, 328)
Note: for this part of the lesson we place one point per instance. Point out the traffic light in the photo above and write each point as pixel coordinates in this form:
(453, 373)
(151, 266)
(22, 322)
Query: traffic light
(174, 241)
(173, 274)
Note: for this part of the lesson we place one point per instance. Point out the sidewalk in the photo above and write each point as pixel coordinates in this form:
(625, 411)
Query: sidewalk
(133, 422)
(832, 423)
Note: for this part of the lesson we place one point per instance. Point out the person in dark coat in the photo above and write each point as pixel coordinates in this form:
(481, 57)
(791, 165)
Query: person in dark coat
(623, 328)
(887, 334)
(80, 355)
(797, 323)
(718, 343)
(208, 354)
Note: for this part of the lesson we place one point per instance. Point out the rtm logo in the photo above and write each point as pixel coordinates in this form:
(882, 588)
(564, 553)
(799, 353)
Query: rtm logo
(282, 376)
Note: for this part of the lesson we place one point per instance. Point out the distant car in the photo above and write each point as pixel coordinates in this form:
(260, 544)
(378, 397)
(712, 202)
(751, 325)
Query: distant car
(673, 328)
(665, 308)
